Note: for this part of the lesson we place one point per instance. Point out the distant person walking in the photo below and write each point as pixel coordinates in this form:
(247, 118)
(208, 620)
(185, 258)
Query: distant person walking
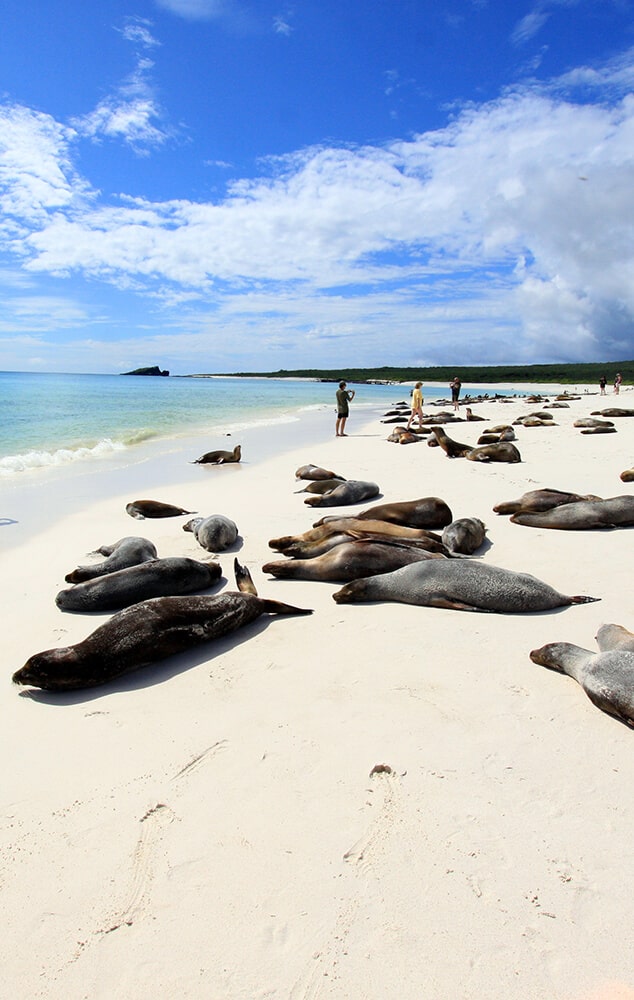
(455, 387)
(417, 406)
(344, 396)
(602, 384)
(617, 383)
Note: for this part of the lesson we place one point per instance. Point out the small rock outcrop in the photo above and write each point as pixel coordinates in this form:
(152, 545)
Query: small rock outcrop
(154, 370)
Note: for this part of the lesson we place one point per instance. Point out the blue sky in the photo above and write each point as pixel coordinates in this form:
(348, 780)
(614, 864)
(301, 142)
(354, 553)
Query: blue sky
(242, 185)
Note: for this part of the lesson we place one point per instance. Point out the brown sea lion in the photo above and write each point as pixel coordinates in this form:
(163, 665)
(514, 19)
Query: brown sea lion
(323, 537)
(627, 476)
(154, 508)
(158, 578)
(219, 457)
(451, 448)
(316, 473)
(599, 430)
(468, 585)
(612, 411)
(501, 451)
(584, 515)
(426, 512)
(128, 551)
(401, 435)
(465, 535)
(351, 560)
(538, 500)
(607, 677)
(592, 422)
(145, 633)
(320, 486)
(471, 415)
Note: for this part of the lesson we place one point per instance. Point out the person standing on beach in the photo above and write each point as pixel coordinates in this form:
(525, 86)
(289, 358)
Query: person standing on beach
(455, 387)
(344, 396)
(417, 406)
(617, 383)
(602, 383)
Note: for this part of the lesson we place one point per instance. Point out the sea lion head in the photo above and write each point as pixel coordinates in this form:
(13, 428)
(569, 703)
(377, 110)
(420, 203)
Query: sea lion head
(48, 670)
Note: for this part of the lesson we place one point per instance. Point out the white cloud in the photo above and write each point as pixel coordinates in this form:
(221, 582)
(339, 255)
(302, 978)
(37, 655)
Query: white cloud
(529, 26)
(479, 238)
(197, 10)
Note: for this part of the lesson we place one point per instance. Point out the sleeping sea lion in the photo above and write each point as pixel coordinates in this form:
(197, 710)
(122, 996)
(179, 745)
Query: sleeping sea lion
(154, 508)
(350, 560)
(219, 457)
(467, 585)
(215, 533)
(352, 491)
(320, 486)
(538, 500)
(465, 535)
(158, 578)
(612, 411)
(128, 551)
(592, 422)
(315, 473)
(584, 515)
(323, 537)
(146, 633)
(426, 512)
(501, 451)
(607, 677)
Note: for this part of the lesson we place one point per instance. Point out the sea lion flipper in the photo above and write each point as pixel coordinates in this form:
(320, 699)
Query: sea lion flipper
(450, 603)
(582, 599)
(273, 607)
(244, 580)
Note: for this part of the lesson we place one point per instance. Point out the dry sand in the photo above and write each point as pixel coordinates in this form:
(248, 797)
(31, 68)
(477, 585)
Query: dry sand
(209, 828)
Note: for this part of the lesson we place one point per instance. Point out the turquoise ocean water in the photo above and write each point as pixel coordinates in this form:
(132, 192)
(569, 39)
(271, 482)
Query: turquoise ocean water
(56, 420)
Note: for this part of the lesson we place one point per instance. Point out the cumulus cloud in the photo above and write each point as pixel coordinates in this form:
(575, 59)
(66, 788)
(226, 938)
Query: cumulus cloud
(506, 235)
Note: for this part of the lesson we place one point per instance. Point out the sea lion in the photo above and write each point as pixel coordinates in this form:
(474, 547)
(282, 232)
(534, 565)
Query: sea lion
(128, 551)
(627, 476)
(315, 473)
(352, 491)
(592, 422)
(219, 457)
(599, 430)
(538, 500)
(607, 677)
(154, 508)
(323, 537)
(451, 448)
(401, 435)
(350, 560)
(501, 451)
(158, 578)
(614, 637)
(215, 533)
(320, 486)
(465, 535)
(467, 585)
(534, 421)
(612, 411)
(473, 416)
(146, 633)
(426, 512)
(584, 515)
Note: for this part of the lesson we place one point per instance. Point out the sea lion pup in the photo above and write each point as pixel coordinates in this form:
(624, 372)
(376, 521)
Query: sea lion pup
(501, 451)
(352, 491)
(465, 535)
(592, 422)
(320, 486)
(128, 551)
(401, 435)
(627, 476)
(607, 677)
(612, 411)
(463, 586)
(534, 421)
(351, 560)
(219, 457)
(158, 578)
(316, 473)
(215, 533)
(451, 448)
(584, 515)
(146, 633)
(325, 536)
(154, 508)
(538, 500)
(473, 416)
(426, 512)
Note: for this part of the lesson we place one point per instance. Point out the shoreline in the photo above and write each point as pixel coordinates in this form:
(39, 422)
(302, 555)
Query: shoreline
(216, 814)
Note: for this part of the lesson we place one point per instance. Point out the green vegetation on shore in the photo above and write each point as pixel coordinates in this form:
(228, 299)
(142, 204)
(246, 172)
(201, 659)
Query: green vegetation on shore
(568, 374)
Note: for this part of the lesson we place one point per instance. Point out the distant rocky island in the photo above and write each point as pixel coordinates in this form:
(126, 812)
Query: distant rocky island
(154, 370)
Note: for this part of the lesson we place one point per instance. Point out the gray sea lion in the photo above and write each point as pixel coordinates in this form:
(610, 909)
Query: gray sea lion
(146, 633)
(607, 677)
(215, 533)
(128, 551)
(158, 578)
(465, 535)
(614, 637)
(426, 512)
(538, 500)
(352, 491)
(154, 508)
(350, 560)
(219, 457)
(599, 430)
(612, 411)
(592, 422)
(316, 473)
(584, 515)
(467, 585)
(627, 476)
(501, 451)
(451, 448)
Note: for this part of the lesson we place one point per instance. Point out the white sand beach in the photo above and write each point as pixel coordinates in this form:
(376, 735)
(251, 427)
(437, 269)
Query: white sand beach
(209, 828)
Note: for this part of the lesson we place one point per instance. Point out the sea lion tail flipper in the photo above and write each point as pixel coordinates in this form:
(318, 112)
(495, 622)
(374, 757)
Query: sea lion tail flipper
(244, 580)
(279, 608)
(582, 599)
